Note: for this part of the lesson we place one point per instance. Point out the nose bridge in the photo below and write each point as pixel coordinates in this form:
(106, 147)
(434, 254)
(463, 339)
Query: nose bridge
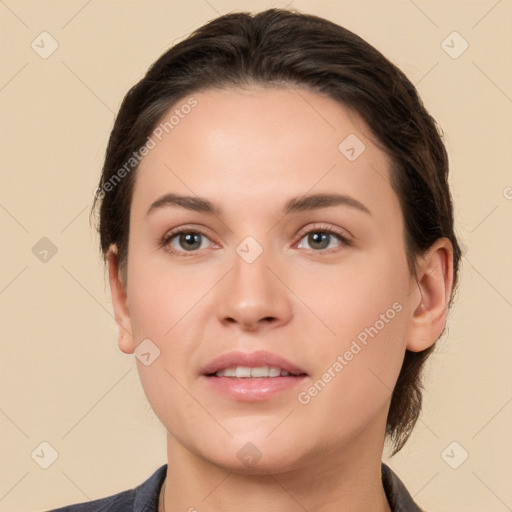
(253, 295)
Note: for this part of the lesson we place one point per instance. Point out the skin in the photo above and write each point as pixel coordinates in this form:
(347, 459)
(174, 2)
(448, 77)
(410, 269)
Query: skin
(249, 151)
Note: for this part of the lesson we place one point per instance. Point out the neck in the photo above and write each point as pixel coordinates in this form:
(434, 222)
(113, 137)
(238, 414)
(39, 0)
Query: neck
(346, 479)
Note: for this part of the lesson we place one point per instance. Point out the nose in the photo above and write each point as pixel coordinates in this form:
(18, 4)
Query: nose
(253, 295)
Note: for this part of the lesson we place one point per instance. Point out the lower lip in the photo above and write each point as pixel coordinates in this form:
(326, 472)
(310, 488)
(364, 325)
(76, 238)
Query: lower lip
(253, 389)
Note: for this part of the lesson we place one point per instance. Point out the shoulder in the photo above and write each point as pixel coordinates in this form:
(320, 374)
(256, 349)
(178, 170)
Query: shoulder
(397, 494)
(143, 498)
(121, 502)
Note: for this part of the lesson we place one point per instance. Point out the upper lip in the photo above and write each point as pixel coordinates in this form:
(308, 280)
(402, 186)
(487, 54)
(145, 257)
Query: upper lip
(252, 360)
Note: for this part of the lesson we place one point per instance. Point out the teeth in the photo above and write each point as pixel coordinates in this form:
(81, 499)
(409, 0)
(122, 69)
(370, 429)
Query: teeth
(246, 372)
(243, 371)
(274, 372)
(263, 371)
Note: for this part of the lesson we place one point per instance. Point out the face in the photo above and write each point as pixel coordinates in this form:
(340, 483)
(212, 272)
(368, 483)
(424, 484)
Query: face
(288, 254)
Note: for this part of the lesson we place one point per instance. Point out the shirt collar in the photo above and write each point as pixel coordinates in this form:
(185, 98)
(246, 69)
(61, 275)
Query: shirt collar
(147, 494)
(398, 496)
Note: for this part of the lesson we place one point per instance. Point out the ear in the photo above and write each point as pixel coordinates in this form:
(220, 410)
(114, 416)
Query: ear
(432, 296)
(120, 302)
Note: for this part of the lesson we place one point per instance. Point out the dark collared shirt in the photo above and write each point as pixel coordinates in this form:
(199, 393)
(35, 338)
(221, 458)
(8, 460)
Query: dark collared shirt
(144, 498)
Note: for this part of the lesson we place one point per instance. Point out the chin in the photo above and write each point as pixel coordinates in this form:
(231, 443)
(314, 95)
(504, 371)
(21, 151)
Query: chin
(257, 454)
(257, 462)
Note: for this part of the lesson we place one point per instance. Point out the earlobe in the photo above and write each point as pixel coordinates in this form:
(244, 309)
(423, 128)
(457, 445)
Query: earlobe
(435, 280)
(120, 303)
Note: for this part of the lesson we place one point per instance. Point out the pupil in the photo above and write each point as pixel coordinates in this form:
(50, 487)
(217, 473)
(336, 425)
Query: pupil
(190, 239)
(319, 238)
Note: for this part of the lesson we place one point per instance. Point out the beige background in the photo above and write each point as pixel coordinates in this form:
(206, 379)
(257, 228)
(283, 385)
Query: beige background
(64, 381)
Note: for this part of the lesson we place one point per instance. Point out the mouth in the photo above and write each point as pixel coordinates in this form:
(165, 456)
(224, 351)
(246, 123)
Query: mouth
(252, 377)
(244, 365)
(258, 372)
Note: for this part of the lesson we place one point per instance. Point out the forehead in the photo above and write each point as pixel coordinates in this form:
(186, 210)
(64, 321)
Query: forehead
(259, 143)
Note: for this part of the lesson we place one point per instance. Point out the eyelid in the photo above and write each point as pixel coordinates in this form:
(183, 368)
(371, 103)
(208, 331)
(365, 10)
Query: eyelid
(342, 233)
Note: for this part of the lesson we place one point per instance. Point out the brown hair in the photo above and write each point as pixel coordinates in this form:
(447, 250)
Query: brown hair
(278, 47)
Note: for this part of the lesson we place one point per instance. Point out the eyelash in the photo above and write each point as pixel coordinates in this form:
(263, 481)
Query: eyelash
(168, 237)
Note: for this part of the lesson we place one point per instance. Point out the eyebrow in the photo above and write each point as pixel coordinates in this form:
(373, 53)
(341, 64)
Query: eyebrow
(294, 205)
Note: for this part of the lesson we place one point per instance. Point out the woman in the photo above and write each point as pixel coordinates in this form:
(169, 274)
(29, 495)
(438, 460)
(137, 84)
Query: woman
(275, 214)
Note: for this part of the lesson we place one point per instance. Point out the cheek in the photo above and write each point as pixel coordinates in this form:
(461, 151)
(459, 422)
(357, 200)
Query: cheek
(164, 304)
(359, 299)
(162, 296)
(357, 376)
(359, 361)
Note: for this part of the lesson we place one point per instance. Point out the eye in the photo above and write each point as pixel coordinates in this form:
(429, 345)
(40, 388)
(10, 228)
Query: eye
(184, 241)
(323, 239)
